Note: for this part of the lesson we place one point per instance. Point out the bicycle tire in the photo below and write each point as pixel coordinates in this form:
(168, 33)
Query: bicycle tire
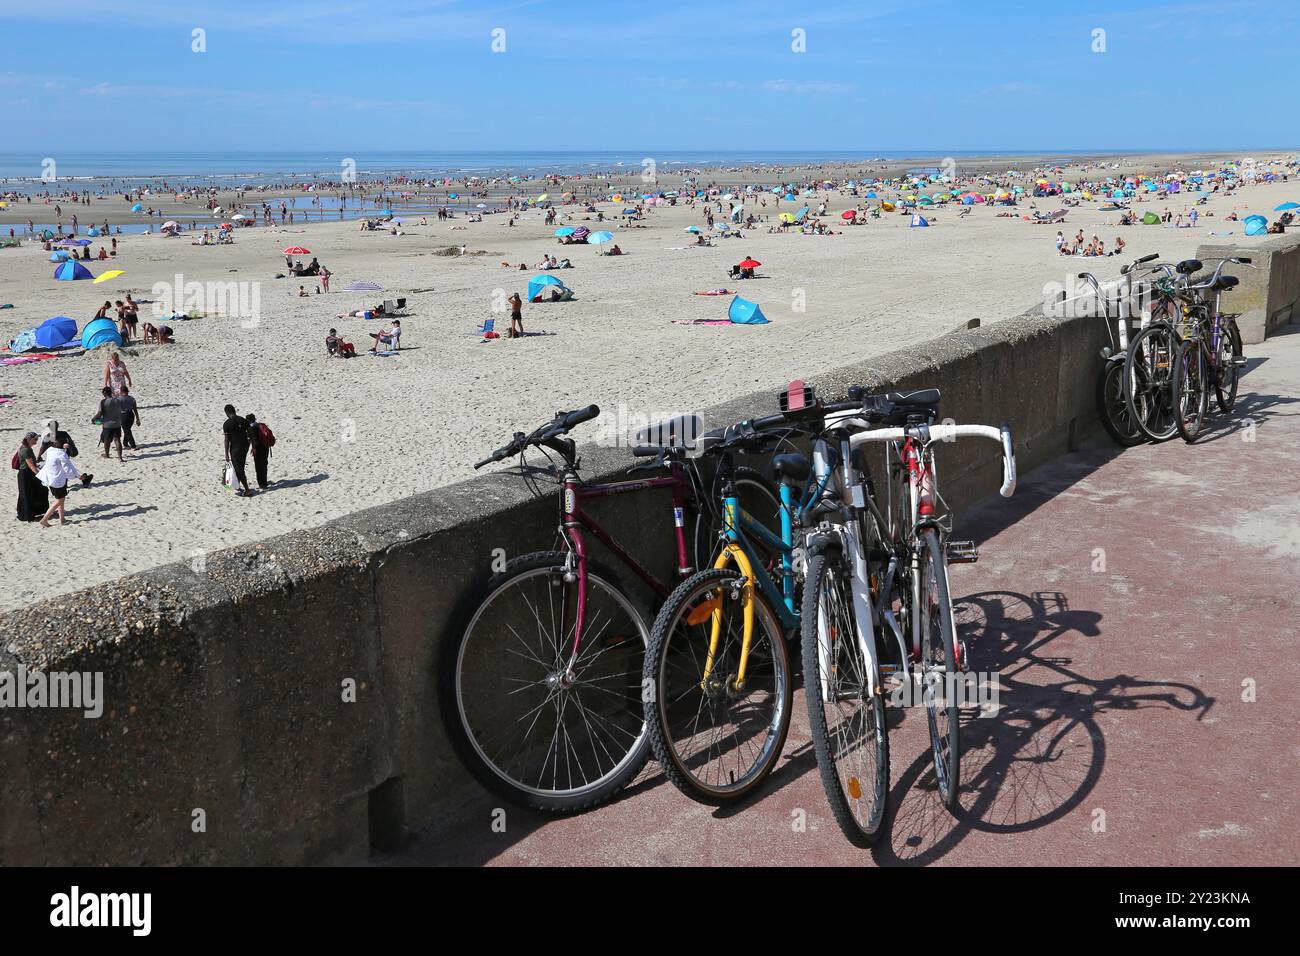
(1112, 406)
(1191, 390)
(1147, 381)
(863, 823)
(936, 609)
(454, 688)
(662, 693)
(1228, 373)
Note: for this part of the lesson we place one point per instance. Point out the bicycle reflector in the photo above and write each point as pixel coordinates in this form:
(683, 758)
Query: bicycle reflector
(797, 396)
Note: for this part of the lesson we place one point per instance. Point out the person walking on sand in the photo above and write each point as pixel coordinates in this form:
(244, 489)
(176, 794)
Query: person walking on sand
(237, 440)
(130, 417)
(110, 423)
(261, 439)
(116, 376)
(54, 435)
(516, 316)
(55, 474)
(33, 497)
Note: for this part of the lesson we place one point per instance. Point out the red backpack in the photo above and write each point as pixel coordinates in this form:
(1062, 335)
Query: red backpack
(265, 437)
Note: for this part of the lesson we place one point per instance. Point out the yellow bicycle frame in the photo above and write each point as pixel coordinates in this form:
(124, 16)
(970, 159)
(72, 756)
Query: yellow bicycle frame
(732, 552)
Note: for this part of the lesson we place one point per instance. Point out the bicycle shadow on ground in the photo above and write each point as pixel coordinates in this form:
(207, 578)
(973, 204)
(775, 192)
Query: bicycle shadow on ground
(1042, 753)
(1251, 412)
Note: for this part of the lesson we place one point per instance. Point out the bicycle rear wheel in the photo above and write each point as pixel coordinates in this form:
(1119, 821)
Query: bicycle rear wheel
(1227, 366)
(846, 720)
(1148, 381)
(939, 666)
(716, 739)
(1113, 407)
(1191, 390)
(528, 731)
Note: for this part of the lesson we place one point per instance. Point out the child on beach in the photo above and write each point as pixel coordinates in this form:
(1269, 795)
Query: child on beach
(55, 474)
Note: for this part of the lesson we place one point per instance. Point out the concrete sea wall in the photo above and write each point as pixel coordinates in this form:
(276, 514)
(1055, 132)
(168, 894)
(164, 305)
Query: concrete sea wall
(277, 704)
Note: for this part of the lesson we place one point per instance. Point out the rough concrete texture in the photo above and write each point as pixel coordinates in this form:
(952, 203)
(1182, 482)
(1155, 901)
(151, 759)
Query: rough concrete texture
(1268, 292)
(1139, 609)
(225, 679)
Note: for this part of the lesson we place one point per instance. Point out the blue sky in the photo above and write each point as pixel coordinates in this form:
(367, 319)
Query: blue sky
(401, 74)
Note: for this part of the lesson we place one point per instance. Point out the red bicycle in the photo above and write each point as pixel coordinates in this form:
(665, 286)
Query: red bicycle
(541, 688)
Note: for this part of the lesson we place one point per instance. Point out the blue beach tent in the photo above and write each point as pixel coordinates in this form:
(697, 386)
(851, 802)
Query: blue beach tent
(71, 270)
(1256, 225)
(100, 332)
(918, 220)
(743, 312)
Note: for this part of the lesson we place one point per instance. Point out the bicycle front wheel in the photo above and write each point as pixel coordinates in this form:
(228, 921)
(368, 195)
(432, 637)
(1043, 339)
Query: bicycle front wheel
(532, 730)
(846, 719)
(716, 735)
(1191, 391)
(1148, 381)
(939, 666)
(1113, 407)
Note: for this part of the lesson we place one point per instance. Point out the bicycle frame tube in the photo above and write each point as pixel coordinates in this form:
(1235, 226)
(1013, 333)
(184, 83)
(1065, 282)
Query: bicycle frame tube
(576, 519)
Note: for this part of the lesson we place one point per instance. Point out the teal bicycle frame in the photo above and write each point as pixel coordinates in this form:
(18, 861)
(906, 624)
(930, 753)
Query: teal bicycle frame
(739, 529)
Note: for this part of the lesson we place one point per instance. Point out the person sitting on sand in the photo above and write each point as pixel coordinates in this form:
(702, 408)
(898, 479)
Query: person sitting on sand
(302, 292)
(616, 251)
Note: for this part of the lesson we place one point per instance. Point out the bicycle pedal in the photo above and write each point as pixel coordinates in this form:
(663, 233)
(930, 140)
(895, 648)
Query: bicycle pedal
(1239, 361)
(962, 552)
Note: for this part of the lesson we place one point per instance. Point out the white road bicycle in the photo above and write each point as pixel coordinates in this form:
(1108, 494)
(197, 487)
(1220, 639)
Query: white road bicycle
(876, 598)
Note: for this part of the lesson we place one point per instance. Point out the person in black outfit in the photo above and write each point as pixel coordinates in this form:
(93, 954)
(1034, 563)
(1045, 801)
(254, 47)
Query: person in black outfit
(237, 442)
(261, 453)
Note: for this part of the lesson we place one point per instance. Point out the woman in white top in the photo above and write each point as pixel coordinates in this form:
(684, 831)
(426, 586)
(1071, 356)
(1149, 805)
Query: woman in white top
(55, 474)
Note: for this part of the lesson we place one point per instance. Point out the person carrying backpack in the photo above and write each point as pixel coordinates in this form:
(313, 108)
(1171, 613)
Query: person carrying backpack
(262, 440)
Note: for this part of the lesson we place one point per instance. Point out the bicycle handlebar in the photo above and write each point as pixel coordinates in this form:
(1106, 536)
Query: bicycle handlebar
(933, 433)
(557, 426)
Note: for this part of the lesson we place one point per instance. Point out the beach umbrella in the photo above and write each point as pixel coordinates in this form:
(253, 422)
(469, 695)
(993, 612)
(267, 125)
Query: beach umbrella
(137, 207)
(238, 217)
(170, 224)
(743, 312)
(724, 227)
(364, 285)
(92, 231)
(537, 283)
(99, 332)
(565, 231)
(56, 332)
(694, 229)
(581, 232)
(296, 251)
(849, 214)
(749, 263)
(596, 238)
(887, 206)
(387, 212)
(71, 270)
(543, 197)
(871, 194)
(110, 274)
(1285, 206)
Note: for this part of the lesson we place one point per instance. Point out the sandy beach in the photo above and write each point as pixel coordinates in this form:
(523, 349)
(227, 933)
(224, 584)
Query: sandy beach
(357, 433)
